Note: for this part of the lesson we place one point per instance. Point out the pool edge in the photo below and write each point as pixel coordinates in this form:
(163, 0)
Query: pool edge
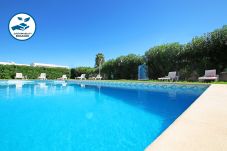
(201, 127)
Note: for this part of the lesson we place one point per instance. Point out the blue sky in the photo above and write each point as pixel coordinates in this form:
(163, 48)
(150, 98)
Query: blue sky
(71, 32)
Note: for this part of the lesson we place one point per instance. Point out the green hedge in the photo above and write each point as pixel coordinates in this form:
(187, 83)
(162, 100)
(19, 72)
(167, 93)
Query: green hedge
(124, 67)
(9, 72)
(192, 59)
(162, 59)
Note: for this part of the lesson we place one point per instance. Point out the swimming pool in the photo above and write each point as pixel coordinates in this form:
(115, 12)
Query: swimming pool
(87, 116)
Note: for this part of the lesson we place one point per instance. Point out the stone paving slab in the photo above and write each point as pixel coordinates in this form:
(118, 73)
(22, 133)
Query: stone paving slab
(202, 127)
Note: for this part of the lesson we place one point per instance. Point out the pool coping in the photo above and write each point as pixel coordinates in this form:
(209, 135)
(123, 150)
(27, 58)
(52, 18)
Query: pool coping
(202, 127)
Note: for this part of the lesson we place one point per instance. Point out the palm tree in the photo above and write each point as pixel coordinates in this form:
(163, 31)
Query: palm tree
(99, 60)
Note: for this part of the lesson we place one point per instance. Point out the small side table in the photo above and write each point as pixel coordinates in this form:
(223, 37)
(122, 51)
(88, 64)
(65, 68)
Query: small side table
(223, 76)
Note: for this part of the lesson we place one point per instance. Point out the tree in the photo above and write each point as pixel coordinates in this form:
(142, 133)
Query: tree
(99, 59)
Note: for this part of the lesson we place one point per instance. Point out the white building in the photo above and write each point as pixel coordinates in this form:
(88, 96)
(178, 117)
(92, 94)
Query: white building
(48, 65)
(13, 63)
(34, 65)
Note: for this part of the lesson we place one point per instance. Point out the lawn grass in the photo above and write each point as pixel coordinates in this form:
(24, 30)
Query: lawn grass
(157, 81)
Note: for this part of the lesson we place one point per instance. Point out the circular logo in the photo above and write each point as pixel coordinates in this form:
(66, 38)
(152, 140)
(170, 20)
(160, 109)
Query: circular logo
(22, 26)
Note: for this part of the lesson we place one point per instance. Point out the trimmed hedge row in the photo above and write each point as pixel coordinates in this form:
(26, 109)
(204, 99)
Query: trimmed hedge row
(123, 67)
(192, 59)
(9, 72)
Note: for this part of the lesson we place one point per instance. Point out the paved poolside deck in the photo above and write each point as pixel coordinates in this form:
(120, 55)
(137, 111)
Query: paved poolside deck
(202, 127)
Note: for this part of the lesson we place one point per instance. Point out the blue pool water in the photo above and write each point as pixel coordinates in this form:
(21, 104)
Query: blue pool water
(60, 116)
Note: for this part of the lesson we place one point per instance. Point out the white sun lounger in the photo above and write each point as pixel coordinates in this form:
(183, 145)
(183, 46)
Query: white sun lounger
(42, 76)
(209, 75)
(98, 77)
(64, 77)
(82, 77)
(171, 76)
(19, 76)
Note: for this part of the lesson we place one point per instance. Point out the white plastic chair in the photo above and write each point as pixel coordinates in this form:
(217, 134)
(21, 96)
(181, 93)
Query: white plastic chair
(82, 77)
(42, 76)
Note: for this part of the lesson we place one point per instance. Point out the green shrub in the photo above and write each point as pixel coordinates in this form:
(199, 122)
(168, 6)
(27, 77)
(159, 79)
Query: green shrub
(124, 67)
(108, 69)
(162, 59)
(9, 71)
